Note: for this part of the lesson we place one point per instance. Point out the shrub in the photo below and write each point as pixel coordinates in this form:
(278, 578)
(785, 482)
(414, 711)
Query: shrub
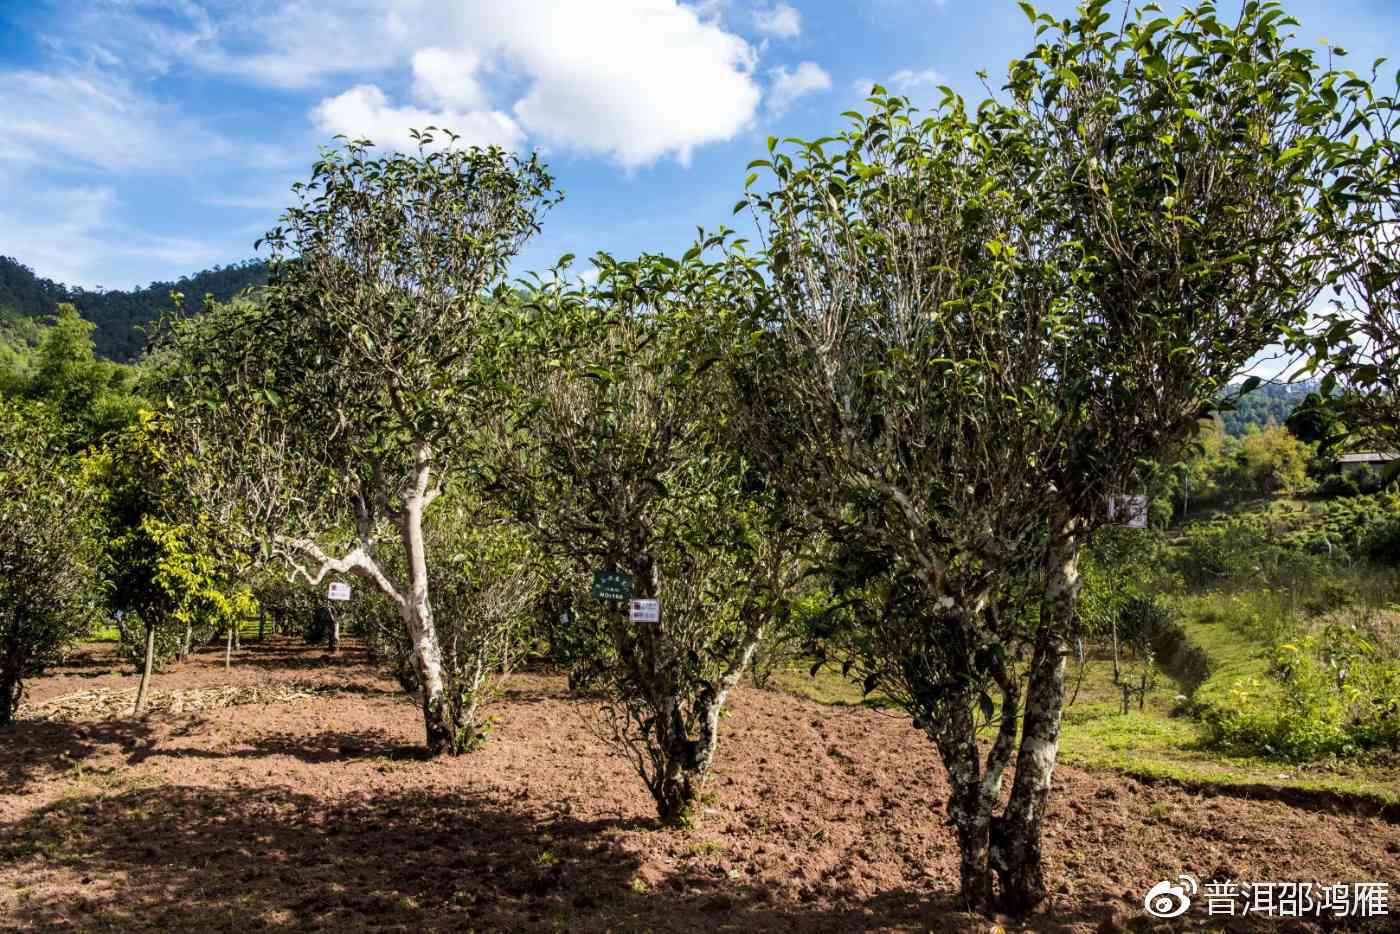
(1339, 484)
(1340, 697)
(1381, 543)
(1216, 553)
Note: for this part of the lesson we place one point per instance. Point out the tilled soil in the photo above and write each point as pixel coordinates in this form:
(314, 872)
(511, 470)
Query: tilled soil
(301, 801)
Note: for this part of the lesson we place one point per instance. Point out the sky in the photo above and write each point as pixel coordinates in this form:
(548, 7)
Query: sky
(141, 140)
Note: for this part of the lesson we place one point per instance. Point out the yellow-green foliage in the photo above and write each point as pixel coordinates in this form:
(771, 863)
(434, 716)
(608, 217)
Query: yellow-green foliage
(1275, 461)
(1334, 694)
(161, 560)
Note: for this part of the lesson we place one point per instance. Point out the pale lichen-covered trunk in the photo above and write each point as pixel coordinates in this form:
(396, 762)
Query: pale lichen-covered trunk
(1018, 856)
(417, 615)
(688, 761)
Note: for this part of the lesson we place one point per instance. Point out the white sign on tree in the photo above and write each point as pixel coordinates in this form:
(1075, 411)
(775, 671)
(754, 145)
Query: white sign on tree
(339, 591)
(646, 611)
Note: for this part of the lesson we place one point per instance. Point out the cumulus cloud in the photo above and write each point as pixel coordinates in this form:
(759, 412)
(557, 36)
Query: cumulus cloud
(786, 87)
(364, 111)
(636, 80)
(780, 20)
(448, 78)
(632, 80)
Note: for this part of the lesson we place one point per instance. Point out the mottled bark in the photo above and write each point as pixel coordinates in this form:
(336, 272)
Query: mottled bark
(976, 784)
(680, 763)
(1018, 855)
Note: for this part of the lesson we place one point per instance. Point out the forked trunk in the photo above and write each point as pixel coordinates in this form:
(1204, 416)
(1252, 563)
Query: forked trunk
(145, 671)
(683, 763)
(1019, 857)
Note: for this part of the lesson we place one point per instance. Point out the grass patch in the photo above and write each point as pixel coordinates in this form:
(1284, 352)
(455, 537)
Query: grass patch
(1159, 742)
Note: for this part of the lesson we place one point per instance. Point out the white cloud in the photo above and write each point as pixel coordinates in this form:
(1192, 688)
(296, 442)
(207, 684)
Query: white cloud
(365, 112)
(71, 235)
(907, 80)
(781, 20)
(633, 80)
(636, 80)
(448, 78)
(83, 117)
(787, 86)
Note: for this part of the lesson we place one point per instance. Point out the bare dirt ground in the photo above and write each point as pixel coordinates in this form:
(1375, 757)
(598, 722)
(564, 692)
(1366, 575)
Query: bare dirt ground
(300, 802)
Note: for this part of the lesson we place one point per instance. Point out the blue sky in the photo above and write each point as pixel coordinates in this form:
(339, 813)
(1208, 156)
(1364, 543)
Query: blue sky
(143, 140)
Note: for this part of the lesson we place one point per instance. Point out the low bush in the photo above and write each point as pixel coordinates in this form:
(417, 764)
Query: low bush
(1340, 696)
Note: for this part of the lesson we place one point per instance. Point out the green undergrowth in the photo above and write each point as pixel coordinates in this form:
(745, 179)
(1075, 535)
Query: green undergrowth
(1161, 742)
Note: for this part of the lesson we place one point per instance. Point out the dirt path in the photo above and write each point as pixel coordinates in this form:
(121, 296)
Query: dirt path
(315, 812)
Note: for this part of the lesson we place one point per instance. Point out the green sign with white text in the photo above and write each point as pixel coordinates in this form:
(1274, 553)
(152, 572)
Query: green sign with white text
(610, 585)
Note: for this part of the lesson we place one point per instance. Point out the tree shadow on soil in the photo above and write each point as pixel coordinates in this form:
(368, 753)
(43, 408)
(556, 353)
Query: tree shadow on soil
(184, 858)
(38, 750)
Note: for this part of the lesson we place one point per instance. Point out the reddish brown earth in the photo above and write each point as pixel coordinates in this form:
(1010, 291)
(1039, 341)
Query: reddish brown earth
(317, 813)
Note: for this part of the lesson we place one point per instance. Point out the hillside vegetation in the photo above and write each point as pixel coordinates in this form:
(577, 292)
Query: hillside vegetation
(121, 317)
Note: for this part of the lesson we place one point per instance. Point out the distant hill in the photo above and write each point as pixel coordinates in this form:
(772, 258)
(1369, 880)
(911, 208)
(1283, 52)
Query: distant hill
(1269, 403)
(121, 317)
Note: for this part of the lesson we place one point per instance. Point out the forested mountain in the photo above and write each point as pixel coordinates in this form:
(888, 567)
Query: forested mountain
(1271, 403)
(121, 317)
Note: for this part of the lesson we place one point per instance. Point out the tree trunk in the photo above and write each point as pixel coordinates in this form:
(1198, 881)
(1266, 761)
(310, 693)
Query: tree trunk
(971, 813)
(333, 634)
(1019, 857)
(262, 621)
(10, 689)
(1116, 673)
(146, 670)
(228, 649)
(185, 645)
(443, 734)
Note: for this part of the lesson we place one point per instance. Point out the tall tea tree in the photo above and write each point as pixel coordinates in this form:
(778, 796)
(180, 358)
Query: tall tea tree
(49, 587)
(1356, 343)
(329, 416)
(1183, 167)
(901, 390)
(626, 461)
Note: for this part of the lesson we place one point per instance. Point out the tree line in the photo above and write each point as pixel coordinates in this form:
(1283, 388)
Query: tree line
(122, 317)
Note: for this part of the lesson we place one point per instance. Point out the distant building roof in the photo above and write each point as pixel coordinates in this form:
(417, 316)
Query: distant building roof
(1369, 457)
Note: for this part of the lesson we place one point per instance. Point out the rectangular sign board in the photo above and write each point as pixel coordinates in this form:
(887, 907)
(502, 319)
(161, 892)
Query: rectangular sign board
(1130, 511)
(646, 611)
(338, 591)
(611, 585)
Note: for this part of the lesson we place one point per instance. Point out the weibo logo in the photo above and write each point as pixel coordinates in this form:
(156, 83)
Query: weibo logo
(1167, 899)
